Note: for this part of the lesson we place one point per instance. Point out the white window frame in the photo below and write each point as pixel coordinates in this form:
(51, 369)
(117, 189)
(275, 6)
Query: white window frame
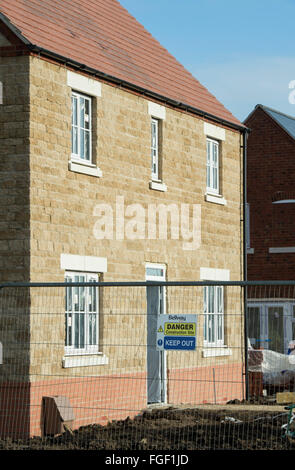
(155, 124)
(71, 349)
(288, 320)
(77, 156)
(214, 317)
(212, 166)
(159, 276)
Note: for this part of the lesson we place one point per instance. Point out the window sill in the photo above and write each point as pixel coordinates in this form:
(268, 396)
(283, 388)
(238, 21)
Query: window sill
(84, 360)
(158, 186)
(215, 198)
(214, 351)
(85, 168)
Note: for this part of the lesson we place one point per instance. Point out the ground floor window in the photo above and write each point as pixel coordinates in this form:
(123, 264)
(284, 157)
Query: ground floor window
(213, 316)
(271, 325)
(82, 314)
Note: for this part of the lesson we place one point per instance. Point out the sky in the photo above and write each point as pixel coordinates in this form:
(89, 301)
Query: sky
(243, 52)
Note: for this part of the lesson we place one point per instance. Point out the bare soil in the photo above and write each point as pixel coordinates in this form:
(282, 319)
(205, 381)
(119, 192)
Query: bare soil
(233, 427)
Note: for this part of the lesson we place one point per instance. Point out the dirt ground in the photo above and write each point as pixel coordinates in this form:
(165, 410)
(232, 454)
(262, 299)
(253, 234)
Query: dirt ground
(233, 427)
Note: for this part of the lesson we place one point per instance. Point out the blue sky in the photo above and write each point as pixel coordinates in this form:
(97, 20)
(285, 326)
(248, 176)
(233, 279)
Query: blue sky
(243, 52)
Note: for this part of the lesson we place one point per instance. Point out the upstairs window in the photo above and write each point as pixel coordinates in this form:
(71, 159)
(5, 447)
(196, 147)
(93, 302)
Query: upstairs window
(81, 127)
(212, 166)
(155, 149)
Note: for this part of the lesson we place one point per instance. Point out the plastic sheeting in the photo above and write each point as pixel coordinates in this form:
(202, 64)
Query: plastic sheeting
(277, 368)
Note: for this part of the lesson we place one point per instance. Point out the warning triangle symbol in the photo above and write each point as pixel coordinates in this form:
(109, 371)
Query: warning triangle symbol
(160, 330)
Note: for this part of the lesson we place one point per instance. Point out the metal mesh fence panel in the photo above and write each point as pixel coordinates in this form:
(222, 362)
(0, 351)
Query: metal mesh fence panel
(83, 366)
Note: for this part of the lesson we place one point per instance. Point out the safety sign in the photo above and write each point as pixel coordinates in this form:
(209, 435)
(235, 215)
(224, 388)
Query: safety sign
(177, 332)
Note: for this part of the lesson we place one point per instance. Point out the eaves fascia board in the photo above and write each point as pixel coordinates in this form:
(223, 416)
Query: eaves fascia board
(14, 29)
(131, 86)
(77, 65)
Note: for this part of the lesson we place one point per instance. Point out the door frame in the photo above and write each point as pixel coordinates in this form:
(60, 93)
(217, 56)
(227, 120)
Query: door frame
(163, 356)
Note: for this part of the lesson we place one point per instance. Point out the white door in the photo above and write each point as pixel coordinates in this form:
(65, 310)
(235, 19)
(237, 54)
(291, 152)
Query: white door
(156, 360)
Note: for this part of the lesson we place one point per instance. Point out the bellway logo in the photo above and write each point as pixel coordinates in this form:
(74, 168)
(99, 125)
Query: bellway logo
(154, 222)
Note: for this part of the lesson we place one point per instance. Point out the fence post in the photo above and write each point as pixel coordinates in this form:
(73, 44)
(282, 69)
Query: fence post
(246, 341)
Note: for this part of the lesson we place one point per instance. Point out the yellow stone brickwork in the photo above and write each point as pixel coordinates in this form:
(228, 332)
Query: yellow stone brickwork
(63, 202)
(14, 169)
(54, 208)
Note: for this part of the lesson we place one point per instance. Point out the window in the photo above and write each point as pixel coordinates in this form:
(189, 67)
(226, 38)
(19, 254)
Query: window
(254, 325)
(212, 166)
(157, 115)
(81, 127)
(213, 316)
(82, 315)
(157, 272)
(155, 149)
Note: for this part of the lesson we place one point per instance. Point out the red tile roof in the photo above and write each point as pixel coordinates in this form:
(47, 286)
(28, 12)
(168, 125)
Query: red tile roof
(102, 35)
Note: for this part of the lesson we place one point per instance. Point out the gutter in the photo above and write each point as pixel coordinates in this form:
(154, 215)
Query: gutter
(143, 91)
(130, 86)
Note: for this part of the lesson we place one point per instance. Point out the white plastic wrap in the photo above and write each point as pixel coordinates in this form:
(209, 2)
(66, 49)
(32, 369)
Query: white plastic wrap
(277, 368)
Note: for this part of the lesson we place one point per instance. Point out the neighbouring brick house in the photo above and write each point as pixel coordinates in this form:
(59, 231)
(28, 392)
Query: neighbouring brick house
(271, 226)
(96, 114)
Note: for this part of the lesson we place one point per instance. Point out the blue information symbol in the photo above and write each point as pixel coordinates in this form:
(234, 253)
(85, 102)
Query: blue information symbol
(160, 342)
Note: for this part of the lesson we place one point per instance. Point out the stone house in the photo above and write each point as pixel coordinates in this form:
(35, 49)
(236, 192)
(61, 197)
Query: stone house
(99, 127)
(271, 224)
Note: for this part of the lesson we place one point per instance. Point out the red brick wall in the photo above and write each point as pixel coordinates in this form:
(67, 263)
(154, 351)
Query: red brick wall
(14, 409)
(209, 384)
(103, 399)
(93, 399)
(270, 169)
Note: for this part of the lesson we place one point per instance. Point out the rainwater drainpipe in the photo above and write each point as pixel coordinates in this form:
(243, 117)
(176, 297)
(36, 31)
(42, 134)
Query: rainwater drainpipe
(245, 135)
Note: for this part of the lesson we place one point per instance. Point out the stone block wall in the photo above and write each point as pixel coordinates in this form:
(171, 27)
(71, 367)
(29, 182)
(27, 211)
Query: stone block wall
(53, 211)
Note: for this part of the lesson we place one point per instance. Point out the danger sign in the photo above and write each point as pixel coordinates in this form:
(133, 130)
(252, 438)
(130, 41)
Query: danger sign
(177, 332)
(182, 329)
